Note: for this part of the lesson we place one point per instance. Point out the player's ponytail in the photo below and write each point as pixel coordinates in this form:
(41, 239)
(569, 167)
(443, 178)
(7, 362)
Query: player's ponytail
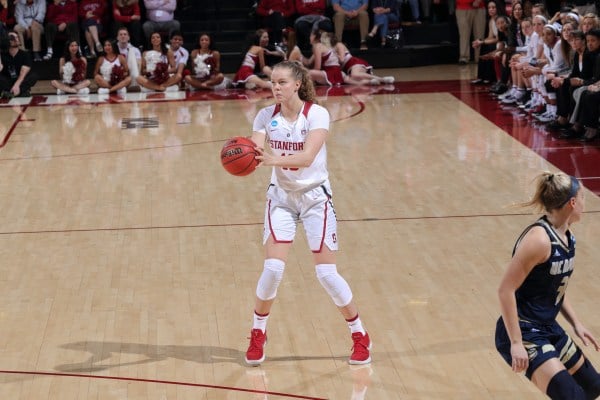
(553, 191)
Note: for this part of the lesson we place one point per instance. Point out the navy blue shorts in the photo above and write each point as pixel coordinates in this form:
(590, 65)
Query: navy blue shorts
(542, 343)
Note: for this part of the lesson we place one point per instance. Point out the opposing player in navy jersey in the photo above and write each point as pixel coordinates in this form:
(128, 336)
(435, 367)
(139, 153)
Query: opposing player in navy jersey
(295, 130)
(533, 292)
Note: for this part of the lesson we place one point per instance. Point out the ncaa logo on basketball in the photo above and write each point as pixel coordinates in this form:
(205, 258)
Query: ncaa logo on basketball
(273, 123)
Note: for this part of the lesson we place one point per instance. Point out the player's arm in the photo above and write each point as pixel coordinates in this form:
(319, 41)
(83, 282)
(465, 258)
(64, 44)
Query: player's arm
(533, 250)
(586, 336)
(314, 141)
(258, 138)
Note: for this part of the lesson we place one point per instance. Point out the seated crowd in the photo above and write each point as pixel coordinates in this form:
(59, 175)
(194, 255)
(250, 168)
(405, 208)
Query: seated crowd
(548, 67)
(163, 64)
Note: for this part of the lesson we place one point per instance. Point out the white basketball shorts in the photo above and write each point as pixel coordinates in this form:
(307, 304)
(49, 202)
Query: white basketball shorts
(314, 208)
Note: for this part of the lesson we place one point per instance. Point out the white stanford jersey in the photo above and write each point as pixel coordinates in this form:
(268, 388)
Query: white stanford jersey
(287, 138)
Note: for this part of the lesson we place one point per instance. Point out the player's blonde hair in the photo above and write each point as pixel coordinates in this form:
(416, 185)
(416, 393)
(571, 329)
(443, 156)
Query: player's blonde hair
(306, 92)
(553, 191)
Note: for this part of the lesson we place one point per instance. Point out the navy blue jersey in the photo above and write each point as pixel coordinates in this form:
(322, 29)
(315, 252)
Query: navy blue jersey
(540, 297)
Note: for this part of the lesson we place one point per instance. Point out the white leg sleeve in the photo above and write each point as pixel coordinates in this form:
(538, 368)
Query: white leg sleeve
(270, 279)
(334, 284)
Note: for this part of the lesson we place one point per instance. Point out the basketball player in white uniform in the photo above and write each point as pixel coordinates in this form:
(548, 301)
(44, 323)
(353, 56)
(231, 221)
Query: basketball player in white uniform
(295, 130)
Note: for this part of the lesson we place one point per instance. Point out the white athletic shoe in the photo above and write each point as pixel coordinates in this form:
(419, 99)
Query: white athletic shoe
(250, 85)
(59, 92)
(388, 79)
(103, 90)
(172, 88)
(122, 91)
(83, 91)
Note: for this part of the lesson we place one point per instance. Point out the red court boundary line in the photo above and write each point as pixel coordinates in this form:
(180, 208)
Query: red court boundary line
(202, 385)
(13, 126)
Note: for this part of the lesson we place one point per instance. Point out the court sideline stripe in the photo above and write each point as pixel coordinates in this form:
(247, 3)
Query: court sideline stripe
(13, 126)
(119, 378)
(366, 219)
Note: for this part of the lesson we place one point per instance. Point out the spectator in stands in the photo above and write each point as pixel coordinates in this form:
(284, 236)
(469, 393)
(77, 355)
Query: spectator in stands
(180, 53)
(29, 17)
(539, 9)
(255, 57)
(515, 23)
(589, 22)
(61, 16)
(587, 96)
(556, 64)
(16, 77)
(470, 18)
(485, 67)
(7, 15)
(414, 10)
(583, 70)
(159, 15)
(310, 14)
(111, 73)
(206, 65)
(132, 55)
(276, 14)
(158, 65)
(72, 68)
(357, 68)
(384, 13)
(350, 12)
(501, 56)
(520, 92)
(91, 14)
(127, 13)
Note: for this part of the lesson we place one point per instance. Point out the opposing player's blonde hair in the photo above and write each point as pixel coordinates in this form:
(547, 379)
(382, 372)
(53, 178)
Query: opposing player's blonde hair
(553, 191)
(306, 92)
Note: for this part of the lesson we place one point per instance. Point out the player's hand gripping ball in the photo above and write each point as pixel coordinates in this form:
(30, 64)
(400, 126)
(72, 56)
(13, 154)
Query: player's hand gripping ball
(238, 156)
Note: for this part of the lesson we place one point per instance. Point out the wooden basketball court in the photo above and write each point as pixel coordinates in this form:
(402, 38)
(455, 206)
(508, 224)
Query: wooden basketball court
(130, 258)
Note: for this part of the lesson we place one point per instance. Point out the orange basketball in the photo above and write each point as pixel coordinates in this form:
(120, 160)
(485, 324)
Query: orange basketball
(237, 156)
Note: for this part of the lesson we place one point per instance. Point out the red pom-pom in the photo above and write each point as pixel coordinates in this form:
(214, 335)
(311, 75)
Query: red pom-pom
(161, 73)
(80, 70)
(117, 74)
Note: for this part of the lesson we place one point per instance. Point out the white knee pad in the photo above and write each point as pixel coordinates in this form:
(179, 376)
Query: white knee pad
(334, 284)
(270, 279)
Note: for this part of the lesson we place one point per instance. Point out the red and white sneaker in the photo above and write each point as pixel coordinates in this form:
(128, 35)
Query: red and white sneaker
(256, 353)
(360, 350)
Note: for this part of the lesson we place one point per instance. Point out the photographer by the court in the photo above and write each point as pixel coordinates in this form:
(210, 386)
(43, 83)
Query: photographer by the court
(16, 77)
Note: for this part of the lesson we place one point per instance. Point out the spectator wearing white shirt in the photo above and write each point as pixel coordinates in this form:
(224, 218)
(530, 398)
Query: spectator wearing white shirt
(132, 54)
(179, 52)
(29, 16)
(160, 17)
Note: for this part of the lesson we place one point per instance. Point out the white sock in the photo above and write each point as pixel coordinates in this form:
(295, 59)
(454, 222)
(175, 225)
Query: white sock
(355, 325)
(260, 322)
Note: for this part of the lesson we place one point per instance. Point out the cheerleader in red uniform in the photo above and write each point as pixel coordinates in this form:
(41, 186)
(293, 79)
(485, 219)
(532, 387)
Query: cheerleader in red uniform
(72, 68)
(357, 68)
(326, 67)
(254, 56)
